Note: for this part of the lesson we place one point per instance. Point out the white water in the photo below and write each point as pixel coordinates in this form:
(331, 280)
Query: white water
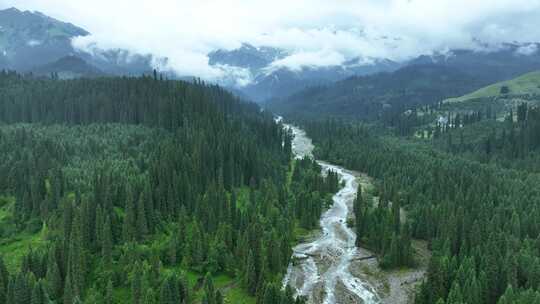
(325, 261)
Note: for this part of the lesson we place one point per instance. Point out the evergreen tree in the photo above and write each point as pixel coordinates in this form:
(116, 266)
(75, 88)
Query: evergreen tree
(38, 294)
(109, 299)
(21, 289)
(77, 268)
(142, 224)
(250, 274)
(107, 245)
(53, 277)
(4, 281)
(69, 294)
(130, 224)
(136, 286)
(209, 290)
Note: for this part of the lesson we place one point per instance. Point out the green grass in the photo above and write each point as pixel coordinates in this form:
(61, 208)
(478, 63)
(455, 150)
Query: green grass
(229, 286)
(238, 296)
(17, 246)
(122, 295)
(14, 246)
(242, 198)
(525, 84)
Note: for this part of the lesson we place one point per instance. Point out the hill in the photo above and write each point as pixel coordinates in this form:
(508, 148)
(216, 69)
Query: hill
(507, 62)
(67, 68)
(370, 97)
(528, 84)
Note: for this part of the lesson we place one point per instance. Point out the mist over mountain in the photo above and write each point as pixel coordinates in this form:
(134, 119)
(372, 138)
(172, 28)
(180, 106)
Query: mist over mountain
(506, 62)
(31, 40)
(28, 39)
(68, 67)
(259, 78)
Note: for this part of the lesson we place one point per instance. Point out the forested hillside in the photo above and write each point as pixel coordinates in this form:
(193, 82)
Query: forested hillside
(381, 96)
(497, 124)
(144, 190)
(481, 221)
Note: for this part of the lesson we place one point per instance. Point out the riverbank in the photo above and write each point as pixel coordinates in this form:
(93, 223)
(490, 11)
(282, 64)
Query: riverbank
(327, 267)
(396, 286)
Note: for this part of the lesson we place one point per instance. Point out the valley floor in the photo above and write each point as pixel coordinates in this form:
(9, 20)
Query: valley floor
(392, 286)
(328, 268)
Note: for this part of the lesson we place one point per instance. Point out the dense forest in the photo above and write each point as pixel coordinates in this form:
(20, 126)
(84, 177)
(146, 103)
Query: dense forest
(512, 142)
(481, 220)
(147, 190)
(383, 96)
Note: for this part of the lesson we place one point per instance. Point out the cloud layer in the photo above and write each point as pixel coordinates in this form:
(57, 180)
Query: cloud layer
(314, 32)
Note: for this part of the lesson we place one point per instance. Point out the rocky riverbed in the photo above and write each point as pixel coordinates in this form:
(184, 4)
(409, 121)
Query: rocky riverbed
(328, 268)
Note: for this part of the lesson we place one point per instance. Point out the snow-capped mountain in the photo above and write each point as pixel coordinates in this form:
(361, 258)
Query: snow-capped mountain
(263, 80)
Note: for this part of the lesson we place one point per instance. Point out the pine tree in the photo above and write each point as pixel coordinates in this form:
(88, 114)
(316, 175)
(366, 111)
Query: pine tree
(142, 224)
(4, 281)
(38, 294)
(3, 290)
(22, 291)
(98, 226)
(69, 295)
(107, 245)
(271, 294)
(219, 297)
(169, 293)
(109, 299)
(130, 224)
(250, 274)
(77, 259)
(67, 222)
(136, 286)
(359, 210)
(209, 290)
(10, 297)
(53, 277)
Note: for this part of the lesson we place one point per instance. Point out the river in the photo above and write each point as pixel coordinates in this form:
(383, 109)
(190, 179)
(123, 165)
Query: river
(320, 267)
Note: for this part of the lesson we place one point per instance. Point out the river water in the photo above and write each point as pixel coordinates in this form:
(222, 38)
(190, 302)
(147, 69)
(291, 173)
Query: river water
(320, 267)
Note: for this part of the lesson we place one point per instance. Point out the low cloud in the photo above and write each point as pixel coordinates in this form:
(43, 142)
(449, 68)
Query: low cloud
(299, 60)
(528, 50)
(313, 32)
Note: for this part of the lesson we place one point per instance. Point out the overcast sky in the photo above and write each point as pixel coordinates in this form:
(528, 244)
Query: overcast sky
(315, 32)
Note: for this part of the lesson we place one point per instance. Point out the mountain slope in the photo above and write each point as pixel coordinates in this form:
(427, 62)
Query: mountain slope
(265, 80)
(247, 56)
(29, 39)
(370, 96)
(508, 62)
(528, 84)
(68, 67)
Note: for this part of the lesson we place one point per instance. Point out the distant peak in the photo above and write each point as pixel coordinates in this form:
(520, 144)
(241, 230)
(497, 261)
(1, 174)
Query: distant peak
(246, 45)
